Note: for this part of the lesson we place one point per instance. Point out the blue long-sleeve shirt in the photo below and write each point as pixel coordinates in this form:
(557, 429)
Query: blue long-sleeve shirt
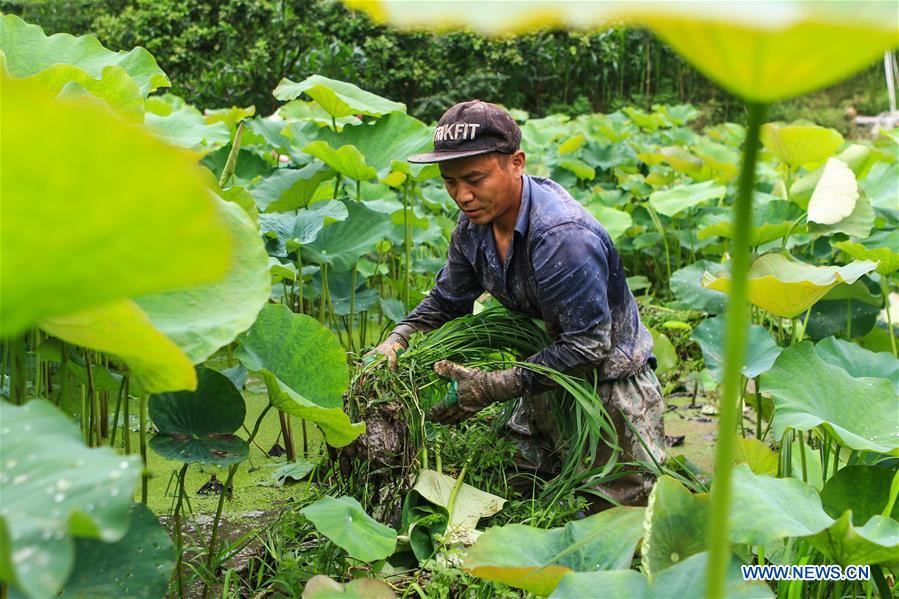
(561, 267)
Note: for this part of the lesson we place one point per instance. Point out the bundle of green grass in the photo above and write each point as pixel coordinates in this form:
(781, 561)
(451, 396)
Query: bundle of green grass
(382, 464)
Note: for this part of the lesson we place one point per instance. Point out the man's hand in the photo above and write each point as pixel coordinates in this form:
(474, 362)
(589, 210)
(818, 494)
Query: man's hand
(473, 390)
(390, 346)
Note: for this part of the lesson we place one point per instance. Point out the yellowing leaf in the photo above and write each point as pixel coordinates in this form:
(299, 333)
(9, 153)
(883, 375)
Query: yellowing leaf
(835, 195)
(572, 144)
(796, 145)
(122, 329)
(786, 287)
(119, 211)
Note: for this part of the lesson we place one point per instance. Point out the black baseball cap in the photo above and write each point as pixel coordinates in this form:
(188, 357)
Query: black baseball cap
(472, 128)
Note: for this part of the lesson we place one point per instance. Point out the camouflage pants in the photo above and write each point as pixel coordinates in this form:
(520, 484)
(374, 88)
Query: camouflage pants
(637, 399)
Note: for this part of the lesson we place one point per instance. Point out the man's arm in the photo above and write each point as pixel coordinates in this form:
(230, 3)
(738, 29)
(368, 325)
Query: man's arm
(571, 268)
(457, 287)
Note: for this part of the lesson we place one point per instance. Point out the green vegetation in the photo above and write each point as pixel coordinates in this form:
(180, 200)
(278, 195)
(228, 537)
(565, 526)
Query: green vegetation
(229, 270)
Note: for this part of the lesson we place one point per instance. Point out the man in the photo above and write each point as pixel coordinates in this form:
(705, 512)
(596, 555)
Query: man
(537, 251)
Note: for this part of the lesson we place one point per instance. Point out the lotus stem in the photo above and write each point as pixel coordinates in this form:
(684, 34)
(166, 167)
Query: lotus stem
(144, 477)
(351, 346)
(735, 352)
(118, 408)
(231, 163)
(179, 544)
(407, 246)
(886, 303)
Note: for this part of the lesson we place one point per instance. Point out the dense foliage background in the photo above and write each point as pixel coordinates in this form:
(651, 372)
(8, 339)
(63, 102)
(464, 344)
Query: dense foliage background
(234, 52)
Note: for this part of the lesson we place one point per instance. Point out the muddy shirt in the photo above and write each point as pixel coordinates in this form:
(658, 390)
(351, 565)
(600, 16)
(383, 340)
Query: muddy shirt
(561, 267)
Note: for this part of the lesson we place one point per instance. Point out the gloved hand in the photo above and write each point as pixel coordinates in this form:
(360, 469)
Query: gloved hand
(393, 343)
(472, 391)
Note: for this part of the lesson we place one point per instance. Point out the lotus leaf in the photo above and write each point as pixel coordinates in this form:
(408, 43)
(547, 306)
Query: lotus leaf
(755, 454)
(139, 565)
(684, 579)
(798, 145)
(289, 189)
(672, 202)
(338, 98)
(752, 50)
(875, 542)
(581, 169)
(880, 186)
(676, 525)
(764, 508)
(346, 160)
(322, 587)
(202, 319)
(53, 488)
(865, 490)
(389, 139)
(230, 116)
(835, 194)
(664, 351)
(197, 427)
(761, 350)
(345, 523)
(161, 228)
(809, 392)
(858, 361)
(787, 287)
(470, 505)
(342, 244)
(304, 368)
(881, 247)
(686, 284)
(773, 220)
(858, 224)
(187, 128)
(313, 112)
(123, 329)
(535, 560)
(615, 221)
(29, 51)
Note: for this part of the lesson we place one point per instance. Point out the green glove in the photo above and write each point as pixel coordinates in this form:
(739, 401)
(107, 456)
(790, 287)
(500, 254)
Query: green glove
(472, 390)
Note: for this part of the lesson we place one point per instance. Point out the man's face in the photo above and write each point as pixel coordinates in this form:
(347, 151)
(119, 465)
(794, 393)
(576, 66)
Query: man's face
(484, 187)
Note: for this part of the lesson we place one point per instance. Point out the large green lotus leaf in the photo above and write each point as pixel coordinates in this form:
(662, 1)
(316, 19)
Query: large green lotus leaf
(857, 157)
(346, 160)
(846, 309)
(139, 565)
(123, 329)
(230, 116)
(676, 525)
(863, 489)
(787, 287)
(679, 114)
(312, 112)
(202, 319)
(722, 160)
(141, 208)
(761, 350)
(798, 145)
(608, 155)
(53, 488)
(197, 427)
(765, 508)
(835, 194)
(755, 454)
(681, 160)
(470, 506)
(882, 247)
(615, 221)
(808, 392)
(338, 98)
(771, 221)
(686, 284)
(345, 522)
(649, 122)
(759, 52)
(684, 580)
(581, 169)
(672, 202)
(249, 166)
(858, 224)
(341, 244)
(187, 128)
(304, 367)
(880, 186)
(310, 221)
(323, 587)
(844, 544)
(535, 560)
(858, 361)
(393, 137)
(664, 351)
(28, 52)
(288, 189)
(114, 86)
